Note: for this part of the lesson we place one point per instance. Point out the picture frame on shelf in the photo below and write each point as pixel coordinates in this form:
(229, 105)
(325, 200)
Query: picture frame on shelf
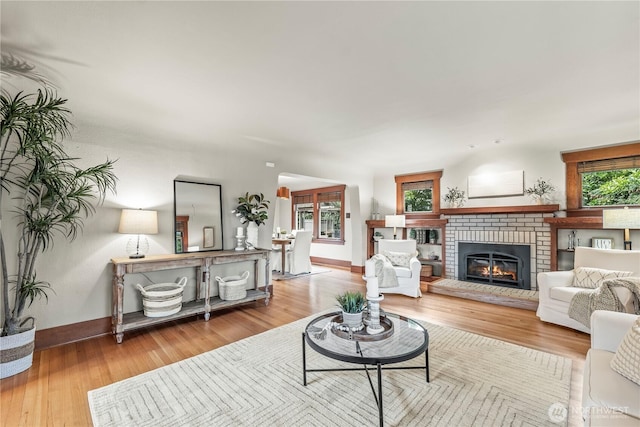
(602, 243)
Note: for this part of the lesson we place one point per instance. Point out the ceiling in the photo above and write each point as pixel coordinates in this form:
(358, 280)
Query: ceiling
(366, 80)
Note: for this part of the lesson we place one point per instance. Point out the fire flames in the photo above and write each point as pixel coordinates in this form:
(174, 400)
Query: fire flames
(498, 272)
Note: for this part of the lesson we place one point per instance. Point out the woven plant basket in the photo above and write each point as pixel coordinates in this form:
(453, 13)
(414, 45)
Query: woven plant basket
(16, 352)
(232, 288)
(162, 299)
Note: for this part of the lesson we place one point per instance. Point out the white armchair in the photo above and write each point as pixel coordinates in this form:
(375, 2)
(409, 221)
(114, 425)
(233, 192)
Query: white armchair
(608, 398)
(556, 290)
(408, 277)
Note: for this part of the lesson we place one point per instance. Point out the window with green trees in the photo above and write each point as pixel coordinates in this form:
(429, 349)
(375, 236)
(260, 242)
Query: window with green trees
(611, 188)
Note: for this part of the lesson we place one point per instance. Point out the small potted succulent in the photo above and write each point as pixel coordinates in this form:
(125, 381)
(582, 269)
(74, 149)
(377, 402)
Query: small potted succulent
(540, 190)
(352, 305)
(454, 197)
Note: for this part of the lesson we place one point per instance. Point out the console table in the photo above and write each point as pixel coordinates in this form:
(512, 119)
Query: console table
(201, 261)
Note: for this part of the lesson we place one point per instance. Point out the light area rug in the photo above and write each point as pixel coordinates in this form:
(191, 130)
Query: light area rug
(475, 381)
(275, 275)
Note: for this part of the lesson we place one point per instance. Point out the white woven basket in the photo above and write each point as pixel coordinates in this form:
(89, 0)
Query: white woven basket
(162, 299)
(17, 352)
(232, 288)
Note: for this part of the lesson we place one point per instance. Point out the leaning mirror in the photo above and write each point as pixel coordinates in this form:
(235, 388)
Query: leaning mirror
(198, 216)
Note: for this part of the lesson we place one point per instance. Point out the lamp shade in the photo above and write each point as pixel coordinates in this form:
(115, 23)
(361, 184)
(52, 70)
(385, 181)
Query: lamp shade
(283, 193)
(138, 221)
(621, 218)
(394, 220)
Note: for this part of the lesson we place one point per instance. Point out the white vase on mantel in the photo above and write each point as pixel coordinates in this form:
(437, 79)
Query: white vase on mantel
(252, 235)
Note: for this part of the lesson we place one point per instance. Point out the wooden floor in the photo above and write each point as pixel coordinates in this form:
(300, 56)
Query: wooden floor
(54, 391)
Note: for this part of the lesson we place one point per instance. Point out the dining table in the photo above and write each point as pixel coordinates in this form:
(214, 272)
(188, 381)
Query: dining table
(283, 242)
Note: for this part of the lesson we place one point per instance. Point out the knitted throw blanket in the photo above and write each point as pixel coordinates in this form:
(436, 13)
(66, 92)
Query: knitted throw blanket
(385, 272)
(603, 298)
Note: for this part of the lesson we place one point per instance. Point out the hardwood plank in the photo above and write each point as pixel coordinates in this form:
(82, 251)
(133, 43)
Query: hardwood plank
(53, 391)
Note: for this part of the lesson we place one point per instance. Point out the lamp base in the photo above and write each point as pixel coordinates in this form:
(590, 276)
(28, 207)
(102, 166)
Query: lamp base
(135, 256)
(627, 245)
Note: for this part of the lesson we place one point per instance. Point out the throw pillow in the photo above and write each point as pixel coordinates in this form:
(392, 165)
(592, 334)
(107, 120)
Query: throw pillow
(399, 259)
(626, 361)
(587, 277)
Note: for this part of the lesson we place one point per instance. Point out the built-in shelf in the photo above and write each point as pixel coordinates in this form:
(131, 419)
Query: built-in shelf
(576, 222)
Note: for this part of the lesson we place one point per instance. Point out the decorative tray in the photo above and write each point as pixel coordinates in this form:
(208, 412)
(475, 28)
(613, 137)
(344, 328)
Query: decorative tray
(362, 335)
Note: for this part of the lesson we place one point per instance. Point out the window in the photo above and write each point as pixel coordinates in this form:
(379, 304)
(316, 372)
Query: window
(610, 182)
(607, 176)
(418, 194)
(320, 210)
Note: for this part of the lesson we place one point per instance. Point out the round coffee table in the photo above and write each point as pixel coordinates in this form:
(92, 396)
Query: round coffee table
(407, 340)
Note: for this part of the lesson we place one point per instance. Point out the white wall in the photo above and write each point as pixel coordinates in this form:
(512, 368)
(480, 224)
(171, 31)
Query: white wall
(80, 272)
(534, 162)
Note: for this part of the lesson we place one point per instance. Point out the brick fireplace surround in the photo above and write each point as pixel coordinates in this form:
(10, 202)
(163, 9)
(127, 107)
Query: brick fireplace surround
(520, 228)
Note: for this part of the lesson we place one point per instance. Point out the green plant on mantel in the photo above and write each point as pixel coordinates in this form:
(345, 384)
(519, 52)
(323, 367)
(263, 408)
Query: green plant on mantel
(252, 208)
(50, 195)
(454, 197)
(540, 189)
(351, 302)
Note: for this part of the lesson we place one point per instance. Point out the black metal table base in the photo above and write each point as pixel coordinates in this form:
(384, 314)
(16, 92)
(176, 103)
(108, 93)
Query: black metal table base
(379, 368)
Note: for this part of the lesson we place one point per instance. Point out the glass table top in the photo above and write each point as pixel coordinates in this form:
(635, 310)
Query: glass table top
(408, 340)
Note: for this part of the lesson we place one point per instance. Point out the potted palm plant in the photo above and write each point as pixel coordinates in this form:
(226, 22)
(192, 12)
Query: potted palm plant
(352, 305)
(49, 195)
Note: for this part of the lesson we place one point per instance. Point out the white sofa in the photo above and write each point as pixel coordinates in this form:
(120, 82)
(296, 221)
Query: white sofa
(408, 277)
(608, 398)
(555, 290)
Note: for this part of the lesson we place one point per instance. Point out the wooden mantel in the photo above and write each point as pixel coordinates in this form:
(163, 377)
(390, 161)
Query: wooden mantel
(501, 209)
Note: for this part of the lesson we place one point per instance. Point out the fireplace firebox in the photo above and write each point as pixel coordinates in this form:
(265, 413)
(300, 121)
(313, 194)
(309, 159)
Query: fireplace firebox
(495, 264)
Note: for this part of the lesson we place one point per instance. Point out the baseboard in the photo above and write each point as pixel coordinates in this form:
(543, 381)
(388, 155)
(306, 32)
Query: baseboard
(66, 334)
(329, 261)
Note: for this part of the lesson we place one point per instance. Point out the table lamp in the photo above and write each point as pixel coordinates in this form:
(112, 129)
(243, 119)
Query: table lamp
(622, 219)
(138, 221)
(394, 221)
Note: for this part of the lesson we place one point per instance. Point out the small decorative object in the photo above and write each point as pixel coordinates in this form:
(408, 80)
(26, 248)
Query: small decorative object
(352, 305)
(162, 299)
(434, 235)
(240, 239)
(601, 243)
(572, 239)
(232, 288)
(377, 236)
(252, 209)
(540, 190)
(454, 197)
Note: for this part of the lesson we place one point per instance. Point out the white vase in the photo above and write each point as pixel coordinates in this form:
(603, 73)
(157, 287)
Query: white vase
(252, 235)
(17, 352)
(353, 320)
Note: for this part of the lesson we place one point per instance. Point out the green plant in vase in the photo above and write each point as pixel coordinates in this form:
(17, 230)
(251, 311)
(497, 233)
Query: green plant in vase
(454, 197)
(540, 191)
(352, 305)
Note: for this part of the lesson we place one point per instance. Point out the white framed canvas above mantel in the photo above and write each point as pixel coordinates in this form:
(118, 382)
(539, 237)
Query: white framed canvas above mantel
(498, 184)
